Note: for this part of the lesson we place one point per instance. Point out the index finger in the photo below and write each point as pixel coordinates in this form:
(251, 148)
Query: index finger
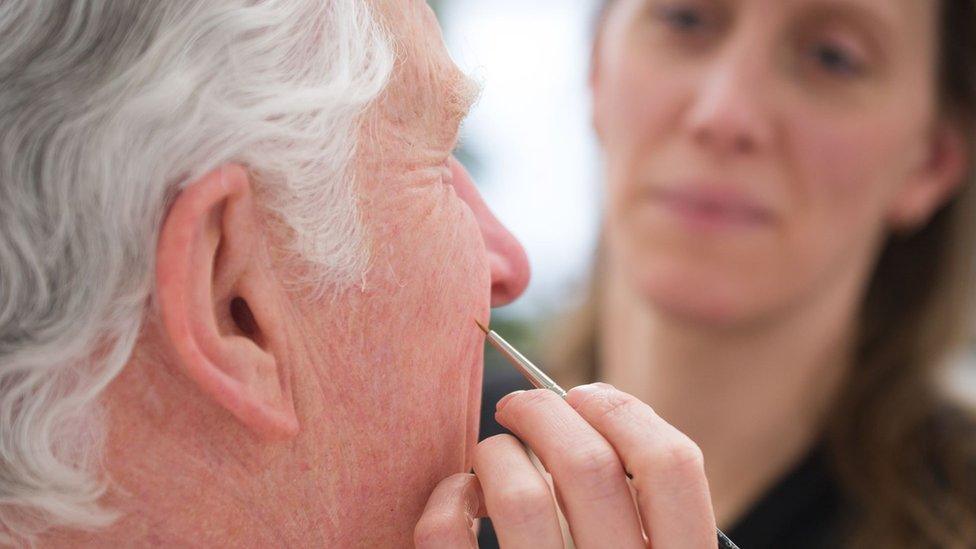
(587, 473)
(667, 467)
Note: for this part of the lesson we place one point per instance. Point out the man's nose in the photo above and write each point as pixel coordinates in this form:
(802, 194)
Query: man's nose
(728, 114)
(509, 265)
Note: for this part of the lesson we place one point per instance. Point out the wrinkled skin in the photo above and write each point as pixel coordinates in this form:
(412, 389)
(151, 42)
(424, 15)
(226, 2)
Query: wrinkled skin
(326, 422)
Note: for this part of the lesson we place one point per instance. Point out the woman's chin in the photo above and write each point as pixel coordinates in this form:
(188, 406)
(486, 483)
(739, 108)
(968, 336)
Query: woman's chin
(698, 297)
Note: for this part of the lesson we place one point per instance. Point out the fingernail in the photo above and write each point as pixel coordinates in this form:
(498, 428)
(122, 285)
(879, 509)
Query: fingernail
(577, 395)
(501, 403)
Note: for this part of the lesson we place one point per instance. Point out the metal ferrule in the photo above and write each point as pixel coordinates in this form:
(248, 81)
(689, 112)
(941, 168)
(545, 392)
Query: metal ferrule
(532, 372)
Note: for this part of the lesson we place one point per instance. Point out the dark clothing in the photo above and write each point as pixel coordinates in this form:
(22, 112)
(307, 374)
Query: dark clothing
(802, 511)
(497, 383)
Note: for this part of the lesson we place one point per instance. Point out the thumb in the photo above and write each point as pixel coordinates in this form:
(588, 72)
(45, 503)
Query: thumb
(448, 520)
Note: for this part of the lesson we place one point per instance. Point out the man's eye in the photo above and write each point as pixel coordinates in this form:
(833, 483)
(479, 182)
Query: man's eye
(835, 60)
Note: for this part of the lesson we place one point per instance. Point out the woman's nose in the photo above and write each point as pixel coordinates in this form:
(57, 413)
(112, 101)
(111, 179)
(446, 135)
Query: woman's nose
(728, 115)
(509, 265)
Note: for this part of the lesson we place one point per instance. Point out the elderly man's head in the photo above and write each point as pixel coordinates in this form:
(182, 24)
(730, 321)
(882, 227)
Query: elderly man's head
(239, 271)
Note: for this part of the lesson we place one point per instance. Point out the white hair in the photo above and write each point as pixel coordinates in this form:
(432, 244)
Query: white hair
(107, 109)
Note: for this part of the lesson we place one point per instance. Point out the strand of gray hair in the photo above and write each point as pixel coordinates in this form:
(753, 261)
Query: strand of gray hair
(108, 108)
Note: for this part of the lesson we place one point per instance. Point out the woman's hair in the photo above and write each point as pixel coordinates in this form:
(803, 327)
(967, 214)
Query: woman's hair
(107, 109)
(904, 457)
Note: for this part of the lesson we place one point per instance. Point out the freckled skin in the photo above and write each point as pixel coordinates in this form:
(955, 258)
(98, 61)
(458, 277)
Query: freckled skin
(385, 376)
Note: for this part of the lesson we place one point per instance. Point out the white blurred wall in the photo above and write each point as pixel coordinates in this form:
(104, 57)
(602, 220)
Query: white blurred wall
(535, 159)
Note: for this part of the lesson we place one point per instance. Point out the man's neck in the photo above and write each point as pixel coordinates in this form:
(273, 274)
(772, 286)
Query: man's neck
(184, 473)
(753, 399)
(172, 487)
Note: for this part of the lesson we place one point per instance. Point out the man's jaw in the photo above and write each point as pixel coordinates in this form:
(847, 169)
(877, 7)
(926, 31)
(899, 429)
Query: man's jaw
(473, 410)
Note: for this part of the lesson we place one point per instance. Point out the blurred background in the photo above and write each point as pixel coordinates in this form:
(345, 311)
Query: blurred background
(529, 145)
(528, 142)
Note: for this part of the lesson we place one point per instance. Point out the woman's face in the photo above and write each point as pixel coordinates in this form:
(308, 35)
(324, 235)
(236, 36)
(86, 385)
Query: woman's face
(759, 151)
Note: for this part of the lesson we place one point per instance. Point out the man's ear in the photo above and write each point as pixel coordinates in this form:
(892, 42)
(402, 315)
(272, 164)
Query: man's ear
(218, 302)
(935, 179)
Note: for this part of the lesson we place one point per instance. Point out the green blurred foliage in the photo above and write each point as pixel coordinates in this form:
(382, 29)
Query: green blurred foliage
(517, 331)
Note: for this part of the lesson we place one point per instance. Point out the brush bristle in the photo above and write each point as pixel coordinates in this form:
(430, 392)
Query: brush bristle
(483, 329)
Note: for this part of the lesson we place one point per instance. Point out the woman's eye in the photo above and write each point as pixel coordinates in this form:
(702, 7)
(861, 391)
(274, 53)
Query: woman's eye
(836, 60)
(681, 18)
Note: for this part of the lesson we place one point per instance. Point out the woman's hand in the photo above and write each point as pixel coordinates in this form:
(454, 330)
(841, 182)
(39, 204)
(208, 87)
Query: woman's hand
(588, 443)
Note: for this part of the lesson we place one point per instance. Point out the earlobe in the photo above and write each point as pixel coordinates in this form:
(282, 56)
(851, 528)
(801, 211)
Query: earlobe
(939, 175)
(217, 302)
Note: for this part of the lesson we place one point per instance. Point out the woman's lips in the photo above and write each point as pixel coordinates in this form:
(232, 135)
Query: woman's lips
(710, 209)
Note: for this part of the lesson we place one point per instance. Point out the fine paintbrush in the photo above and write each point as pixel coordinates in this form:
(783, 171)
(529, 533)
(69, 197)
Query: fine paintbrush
(540, 380)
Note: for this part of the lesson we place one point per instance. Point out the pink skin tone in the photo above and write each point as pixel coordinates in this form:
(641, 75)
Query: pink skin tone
(749, 190)
(324, 423)
(333, 423)
(757, 154)
(587, 442)
(289, 423)
(746, 176)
